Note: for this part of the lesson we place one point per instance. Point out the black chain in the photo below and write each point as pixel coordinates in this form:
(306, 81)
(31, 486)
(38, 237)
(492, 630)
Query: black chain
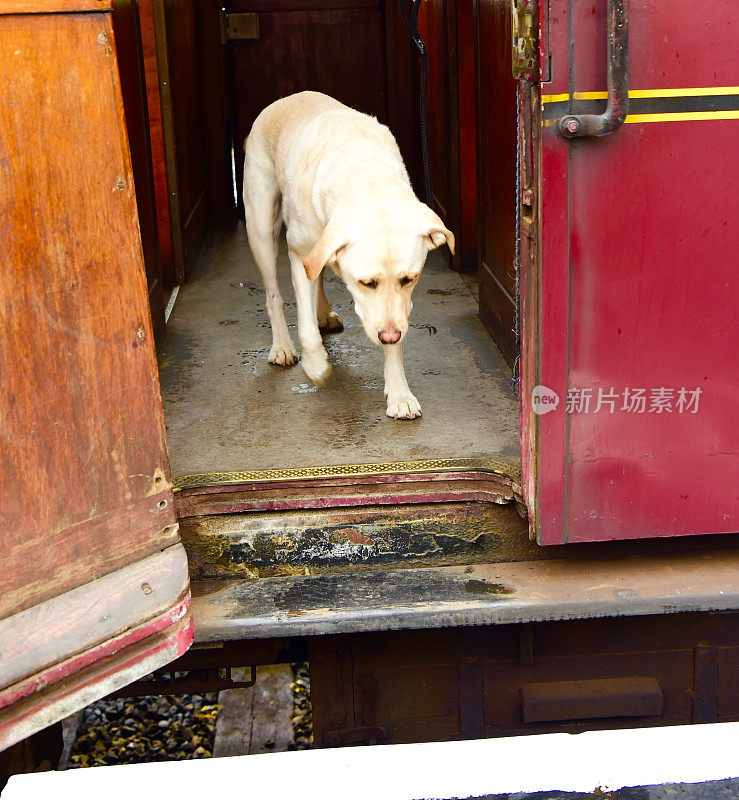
(411, 23)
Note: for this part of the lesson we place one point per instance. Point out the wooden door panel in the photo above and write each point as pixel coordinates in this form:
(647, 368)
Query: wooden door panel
(433, 25)
(446, 27)
(340, 52)
(496, 164)
(133, 84)
(156, 142)
(637, 280)
(85, 488)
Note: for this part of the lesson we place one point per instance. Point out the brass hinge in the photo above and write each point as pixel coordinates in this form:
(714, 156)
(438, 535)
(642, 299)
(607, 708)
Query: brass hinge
(236, 27)
(524, 47)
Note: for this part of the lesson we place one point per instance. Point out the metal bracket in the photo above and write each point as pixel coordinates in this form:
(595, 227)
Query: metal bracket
(193, 681)
(238, 27)
(573, 126)
(523, 39)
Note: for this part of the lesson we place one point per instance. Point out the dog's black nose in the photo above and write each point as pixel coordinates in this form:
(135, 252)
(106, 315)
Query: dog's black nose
(389, 336)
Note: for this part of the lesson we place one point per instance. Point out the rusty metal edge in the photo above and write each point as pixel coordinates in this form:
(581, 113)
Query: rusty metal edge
(536, 591)
(481, 465)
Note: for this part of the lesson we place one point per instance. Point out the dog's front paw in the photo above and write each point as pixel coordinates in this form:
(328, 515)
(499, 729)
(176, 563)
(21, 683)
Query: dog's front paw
(316, 367)
(403, 407)
(284, 355)
(331, 322)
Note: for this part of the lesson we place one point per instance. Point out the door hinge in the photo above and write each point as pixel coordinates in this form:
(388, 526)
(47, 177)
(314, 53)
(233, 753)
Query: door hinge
(523, 44)
(236, 27)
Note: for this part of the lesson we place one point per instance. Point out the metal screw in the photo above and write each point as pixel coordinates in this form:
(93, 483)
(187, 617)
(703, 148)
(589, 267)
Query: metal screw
(102, 38)
(145, 588)
(140, 333)
(120, 184)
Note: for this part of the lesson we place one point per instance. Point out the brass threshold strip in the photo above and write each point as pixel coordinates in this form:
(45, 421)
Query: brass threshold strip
(485, 465)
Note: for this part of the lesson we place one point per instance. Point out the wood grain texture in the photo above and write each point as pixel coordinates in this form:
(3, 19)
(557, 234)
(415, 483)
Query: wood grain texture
(116, 667)
(129, 52)
(84, 473)
(496, 164)
(467, 245)
(52, 631)
(428, 684)
(216, 112)
(437, 26)
(156, 141)
(402, 105)
(183, 52)
(52, 6)
(338, 52)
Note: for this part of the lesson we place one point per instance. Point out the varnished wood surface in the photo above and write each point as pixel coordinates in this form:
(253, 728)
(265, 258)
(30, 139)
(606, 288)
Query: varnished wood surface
(84, 474)
(467, 244)
(496, 164)
(82, 618)
(336, 51)
(133, 85)
(440, 39)
(110, 666)
(52, 6)
(156, 142)
(183, 49)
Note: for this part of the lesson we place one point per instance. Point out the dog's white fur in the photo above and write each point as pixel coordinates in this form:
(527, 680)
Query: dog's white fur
(336, 178)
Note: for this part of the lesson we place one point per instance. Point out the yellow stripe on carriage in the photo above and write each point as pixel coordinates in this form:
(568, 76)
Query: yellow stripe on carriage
(682, 116)
(702, 91)
(685, 116)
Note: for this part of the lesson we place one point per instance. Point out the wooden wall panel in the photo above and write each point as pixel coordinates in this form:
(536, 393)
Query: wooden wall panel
(447, 29)
(340, 52)
(467, 245)
(216, 111)
(496, 163)
(186, 92)
(156, 138)
(439, 35)
(84, 474)
(133, 84)
(402, 100)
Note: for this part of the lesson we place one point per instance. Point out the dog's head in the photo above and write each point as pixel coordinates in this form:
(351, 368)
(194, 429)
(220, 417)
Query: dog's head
(380, 257)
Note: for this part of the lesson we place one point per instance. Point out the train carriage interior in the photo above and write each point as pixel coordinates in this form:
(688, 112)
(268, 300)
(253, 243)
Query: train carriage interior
(195, 75)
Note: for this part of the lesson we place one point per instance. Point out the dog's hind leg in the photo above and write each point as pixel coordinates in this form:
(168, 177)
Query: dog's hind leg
(328, 319)
(263, 225)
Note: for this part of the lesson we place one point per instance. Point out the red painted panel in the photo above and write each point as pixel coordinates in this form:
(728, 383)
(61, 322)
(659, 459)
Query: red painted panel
(638, 288)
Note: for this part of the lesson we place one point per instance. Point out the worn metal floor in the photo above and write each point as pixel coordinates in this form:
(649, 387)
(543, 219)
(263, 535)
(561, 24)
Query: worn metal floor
(227, 409)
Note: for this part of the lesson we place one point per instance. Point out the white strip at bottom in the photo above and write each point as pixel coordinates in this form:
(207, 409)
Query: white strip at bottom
(582, 762)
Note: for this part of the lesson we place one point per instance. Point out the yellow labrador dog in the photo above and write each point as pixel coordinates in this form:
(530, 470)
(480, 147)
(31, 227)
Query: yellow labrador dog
(336, 178)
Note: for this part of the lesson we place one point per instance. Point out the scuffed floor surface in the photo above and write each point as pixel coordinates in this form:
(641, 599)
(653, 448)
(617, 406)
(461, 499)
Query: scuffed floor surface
(227, 409)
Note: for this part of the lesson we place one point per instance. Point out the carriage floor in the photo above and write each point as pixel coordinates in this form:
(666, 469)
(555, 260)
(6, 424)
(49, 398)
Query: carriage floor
(227, 409)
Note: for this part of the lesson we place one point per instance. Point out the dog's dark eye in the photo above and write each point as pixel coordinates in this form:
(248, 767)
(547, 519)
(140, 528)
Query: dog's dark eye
(405, 280)
(369, 284)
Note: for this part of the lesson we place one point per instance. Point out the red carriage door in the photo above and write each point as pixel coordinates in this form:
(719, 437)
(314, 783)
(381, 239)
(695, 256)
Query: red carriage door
(93, 580)
(637, 301)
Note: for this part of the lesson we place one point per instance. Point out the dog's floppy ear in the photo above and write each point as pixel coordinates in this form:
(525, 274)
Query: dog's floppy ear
(436, 232)
(324, 250)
